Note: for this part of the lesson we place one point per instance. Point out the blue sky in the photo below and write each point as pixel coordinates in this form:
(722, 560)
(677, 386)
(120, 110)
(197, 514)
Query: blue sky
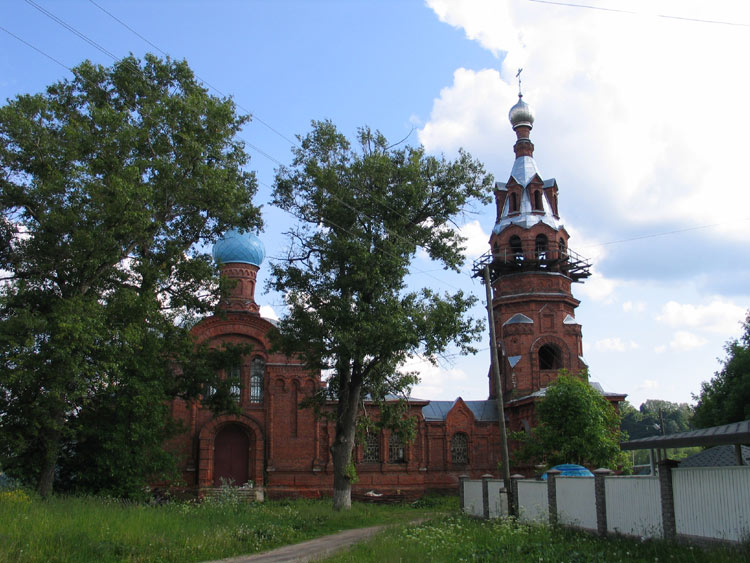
(641, 118)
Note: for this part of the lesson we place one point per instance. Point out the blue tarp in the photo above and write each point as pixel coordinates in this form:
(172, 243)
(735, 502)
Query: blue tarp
(570, 470)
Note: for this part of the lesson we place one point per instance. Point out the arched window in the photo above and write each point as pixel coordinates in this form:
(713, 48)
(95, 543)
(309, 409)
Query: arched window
(257, 374)
(371, 452)
(396, 449)
(513, 202)
(541, 246)
(561, 246)
(550, 357)
(460, 448)
(516, 247)
(538, 200)
(234, 376)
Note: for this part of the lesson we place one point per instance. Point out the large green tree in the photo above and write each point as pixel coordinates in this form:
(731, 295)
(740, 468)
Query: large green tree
(655, 417)
(575, 424)
(109, 181)
(726, 398)
(363, 211)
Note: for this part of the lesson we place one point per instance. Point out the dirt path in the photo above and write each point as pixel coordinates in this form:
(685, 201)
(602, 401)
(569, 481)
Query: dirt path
(311, 550)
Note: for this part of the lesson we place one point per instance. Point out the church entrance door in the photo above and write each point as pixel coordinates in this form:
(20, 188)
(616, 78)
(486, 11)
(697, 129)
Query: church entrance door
(231, 456)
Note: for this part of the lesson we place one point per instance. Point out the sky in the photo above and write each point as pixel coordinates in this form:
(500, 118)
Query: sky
(641, 112)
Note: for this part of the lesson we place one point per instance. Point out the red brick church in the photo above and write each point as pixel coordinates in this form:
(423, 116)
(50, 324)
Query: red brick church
(282, 448)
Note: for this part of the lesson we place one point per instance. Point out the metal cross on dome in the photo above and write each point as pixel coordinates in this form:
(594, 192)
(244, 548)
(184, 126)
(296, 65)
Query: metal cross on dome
(518, 75)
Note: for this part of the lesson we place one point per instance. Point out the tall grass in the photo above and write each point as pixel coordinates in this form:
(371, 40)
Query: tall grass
(93, 529)
(460, 538)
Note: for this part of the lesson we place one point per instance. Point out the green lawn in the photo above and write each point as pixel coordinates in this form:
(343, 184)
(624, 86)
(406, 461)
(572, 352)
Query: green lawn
(460, 538)
(81, 529)
(94, 529)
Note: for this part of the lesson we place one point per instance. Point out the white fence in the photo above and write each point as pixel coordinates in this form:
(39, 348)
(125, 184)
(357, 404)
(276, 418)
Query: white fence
(575, 502)
(497, 499)
(712, 502)
(633, 506)
(699, 502)
(473, 499)
(533, 506)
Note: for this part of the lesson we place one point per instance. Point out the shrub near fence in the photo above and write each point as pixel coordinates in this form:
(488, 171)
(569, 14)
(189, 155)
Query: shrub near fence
(711, 503)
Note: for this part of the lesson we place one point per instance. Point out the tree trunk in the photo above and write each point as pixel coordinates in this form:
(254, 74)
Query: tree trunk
(343, 443)
(50, 452)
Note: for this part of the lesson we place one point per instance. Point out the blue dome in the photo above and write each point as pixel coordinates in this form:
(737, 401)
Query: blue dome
(244, 248)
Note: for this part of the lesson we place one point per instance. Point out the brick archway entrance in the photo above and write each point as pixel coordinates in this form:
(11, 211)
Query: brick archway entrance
(231, 456)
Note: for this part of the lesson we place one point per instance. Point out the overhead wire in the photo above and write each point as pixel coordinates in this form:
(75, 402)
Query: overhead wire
(254, 117)
(635, 12)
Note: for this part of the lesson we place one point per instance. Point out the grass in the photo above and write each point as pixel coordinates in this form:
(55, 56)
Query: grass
(461, 538)
(84, 529)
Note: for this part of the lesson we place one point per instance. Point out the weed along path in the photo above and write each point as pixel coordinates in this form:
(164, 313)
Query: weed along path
(312, 550)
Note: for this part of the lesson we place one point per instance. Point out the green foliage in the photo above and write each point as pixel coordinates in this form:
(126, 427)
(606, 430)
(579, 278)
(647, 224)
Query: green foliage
(362, 215)
(575, 425)
(726, 398)
(108, 183)
(647, 421)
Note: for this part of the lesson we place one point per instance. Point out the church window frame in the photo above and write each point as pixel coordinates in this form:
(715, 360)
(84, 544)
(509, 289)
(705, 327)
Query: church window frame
(371, 448)
(396, 449)
(513, 202)
(257, 377)
(460, 448)
(538, 204)
(234, 376)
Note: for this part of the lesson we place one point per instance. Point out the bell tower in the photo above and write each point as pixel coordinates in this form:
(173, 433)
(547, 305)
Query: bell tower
(531, 271)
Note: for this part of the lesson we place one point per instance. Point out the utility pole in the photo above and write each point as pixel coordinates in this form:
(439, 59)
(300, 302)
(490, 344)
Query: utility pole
(499, 393)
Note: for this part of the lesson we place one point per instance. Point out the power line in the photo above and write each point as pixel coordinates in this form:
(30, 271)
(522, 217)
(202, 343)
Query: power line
(634, 12)
(70, 28)
(663, 234)
(116, 59)
(50, 57)
(253, 116)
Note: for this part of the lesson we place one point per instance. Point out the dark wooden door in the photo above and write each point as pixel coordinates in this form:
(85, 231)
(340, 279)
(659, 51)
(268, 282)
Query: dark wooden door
(231, 456)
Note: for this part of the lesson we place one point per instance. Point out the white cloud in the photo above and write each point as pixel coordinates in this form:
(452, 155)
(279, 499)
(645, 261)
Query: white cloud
(615, 344)
(637, 306)
(648, 385)
(476, 239)
(660, 349)
(486, 21)
(268, 312)
(434, 380)
(636, 116)
(684, 341)
(719, 316)
(470, 113)
(598, 288)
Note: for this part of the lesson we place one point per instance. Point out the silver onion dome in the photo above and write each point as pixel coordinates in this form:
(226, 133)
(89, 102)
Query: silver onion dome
(521, 114)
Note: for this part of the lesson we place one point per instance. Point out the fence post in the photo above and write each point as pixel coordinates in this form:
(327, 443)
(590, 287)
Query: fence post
(461, 485)
(669, 526)
(552, 495)
(601, 499)
(486, 495)
(514, 509)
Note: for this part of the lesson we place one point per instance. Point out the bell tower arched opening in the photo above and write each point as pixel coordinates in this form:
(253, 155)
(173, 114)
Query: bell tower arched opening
(550, 357)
